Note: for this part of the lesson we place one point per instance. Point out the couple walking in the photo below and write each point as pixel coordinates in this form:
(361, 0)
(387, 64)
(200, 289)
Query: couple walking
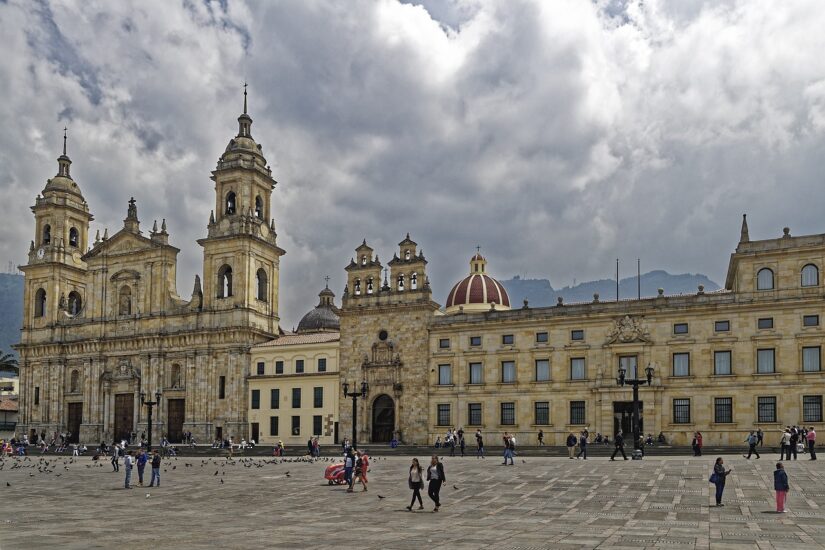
(435, 477)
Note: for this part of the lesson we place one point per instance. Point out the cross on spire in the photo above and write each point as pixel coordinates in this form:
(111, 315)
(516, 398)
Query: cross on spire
(327, 280)
(478, 249)
(65, 129)
(244, 97)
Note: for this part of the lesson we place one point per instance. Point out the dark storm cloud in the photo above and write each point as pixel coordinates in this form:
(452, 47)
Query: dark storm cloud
(556, 135)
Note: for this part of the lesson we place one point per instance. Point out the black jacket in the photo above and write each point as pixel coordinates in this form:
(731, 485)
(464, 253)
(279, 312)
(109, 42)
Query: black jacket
(619, 441)
(440, 469)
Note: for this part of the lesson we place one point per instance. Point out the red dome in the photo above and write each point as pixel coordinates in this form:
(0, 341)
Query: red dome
(478, 288)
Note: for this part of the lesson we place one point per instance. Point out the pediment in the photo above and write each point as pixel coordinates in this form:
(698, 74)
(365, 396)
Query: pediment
(628, 329)
(124, 242)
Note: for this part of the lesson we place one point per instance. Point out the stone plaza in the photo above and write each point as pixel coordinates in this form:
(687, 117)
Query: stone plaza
(540, 502)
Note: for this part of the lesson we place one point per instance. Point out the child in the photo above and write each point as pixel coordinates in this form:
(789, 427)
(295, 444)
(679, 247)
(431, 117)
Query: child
(780, 484)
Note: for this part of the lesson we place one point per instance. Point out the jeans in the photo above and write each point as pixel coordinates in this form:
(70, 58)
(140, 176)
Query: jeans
(790, 449)
(582, 451)
(128, 481)
(115, 465)
(155, 476)
(720, 488)
(782, 449)
(141, 467)
(811, 449)
(416, 495)
(752, 449)
(433, 490)
(348, 476)
(618, 449)
(480, 451)
(508, 453)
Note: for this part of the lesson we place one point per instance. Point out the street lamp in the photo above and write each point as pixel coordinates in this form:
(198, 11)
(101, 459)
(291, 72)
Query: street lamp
(365, 388)
(149, 404)
(635, 382)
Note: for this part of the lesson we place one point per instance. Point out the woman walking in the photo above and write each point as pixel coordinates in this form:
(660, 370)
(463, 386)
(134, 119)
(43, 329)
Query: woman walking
(718, 479)
(362, 467)
(416, 483)
(780, 485)
(435, 475)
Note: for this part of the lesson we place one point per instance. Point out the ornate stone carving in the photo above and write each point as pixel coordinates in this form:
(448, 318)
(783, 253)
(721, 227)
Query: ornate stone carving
(628, 329)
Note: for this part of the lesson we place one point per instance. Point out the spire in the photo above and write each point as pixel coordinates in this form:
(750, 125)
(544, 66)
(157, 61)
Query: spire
(65, 131)
(244, 121)
(131, 222)
(63, 161)
(244, 100)
(743, 234)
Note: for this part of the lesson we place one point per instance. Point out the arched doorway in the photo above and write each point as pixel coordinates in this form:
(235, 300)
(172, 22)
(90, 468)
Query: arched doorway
(383, 419)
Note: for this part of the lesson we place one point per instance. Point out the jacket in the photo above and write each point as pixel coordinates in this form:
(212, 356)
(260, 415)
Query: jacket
(721, 474)
(780, 480)
(415, 485)
(440, 468)
(571, 440)
(619, 441)
(156, 461)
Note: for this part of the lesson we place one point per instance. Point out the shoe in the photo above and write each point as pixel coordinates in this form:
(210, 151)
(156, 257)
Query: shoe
(409, 508)
(784, 512)
(612, 459)
(625, 458)
(746, 456)
(421, 507)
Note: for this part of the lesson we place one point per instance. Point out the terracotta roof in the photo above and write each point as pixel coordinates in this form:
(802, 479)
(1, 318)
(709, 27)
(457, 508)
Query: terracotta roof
(8, 405)
(296, 339)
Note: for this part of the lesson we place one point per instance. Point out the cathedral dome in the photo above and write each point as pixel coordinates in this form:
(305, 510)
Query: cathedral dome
(477, 291)
(324, 317)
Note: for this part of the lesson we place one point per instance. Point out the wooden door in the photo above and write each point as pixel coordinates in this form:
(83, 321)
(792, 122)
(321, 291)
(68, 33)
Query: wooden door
(75, 418)
(124, 415)
(175, 414)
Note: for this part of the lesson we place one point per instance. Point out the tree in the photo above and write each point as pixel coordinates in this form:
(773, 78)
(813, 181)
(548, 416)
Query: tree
(8, 363)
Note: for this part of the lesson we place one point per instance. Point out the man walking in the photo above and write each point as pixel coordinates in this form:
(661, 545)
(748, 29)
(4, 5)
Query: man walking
(619, 443)
(127, 462)
(760, 437)
(508, 449)
(541, 437)
(582, 445)
(571, 445)
(349, 465)
(752, 439)
(116, 457)
(155, 469)
(811, 442)
(479, 444)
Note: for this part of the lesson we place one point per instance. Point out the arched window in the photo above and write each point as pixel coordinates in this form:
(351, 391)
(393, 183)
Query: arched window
(225, 282)
(75, 302)
(259, 208)
(764, 279)
(74, 237)
(401, 282)
(47, 234)
(230, 203)
(175, 380)
(260, 280)
(370, 286)
(364, 260)
(74, 382)
(810, 275)
(414, 281)
(124, 300)
(40, 303)
(407, 255)
(357, 287)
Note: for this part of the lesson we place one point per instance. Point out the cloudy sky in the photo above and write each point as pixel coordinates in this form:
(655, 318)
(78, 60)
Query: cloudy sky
(557, 135)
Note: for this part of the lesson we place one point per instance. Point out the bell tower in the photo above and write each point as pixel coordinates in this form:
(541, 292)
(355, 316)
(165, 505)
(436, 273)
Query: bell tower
(240, 253)
(55, 272)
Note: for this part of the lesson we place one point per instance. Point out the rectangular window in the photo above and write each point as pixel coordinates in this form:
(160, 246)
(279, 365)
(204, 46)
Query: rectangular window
(721, 363)
(296, 398)
(542, 370)
(475, 341)
(810, 320)
(261, 367)
(766, 409)
(37, 395)
(681, 364)
(765, 361)
(296, 425)
(765, 322)
(542, 413)
(577, 415)
(577, 334)
(577, 370)
(541, 337)
(721, 326)
(443, 414)
(474, 414)
(476, 374)
(811, 359)
(279, 367)
(681, 411)
(444, 343)
(812, 408)
(508, 414)
(222, 387)
(317, 425)
(445, 375)
(273, 425)
(508, 372)
(723, 410)
(322, 364)
(274, 398)
(629, 363)
(299, 366)
(507, 340)
(680, 328)
(318, 397)
(256, 399)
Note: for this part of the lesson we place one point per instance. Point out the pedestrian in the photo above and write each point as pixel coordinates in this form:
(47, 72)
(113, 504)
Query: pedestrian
(541, 437)
(435, 475)
(752, 440)
(718, 478)
(349, 466)
(582, 445)
(141, 465)
(155, 469)
(571, 445)
(416, 483)
(127, 462)
(784, 442)
(811, 442)
(479, 444)
(695, 444)
(760, 437)
(792, 445)
(116, 457)
(780, 485)
(618, 442)
(361, 468)
(451, 443)
(508, 449)
(461, 443)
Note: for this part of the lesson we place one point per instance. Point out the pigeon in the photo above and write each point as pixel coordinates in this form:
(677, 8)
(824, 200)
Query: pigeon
(147, 495)
(8, 484)
(455, 487)
(216, 472)
(380, 497)
(221, 481)
(173, 467)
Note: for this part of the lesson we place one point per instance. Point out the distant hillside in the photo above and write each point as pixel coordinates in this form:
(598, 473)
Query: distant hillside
(11, 310)
(539, 292)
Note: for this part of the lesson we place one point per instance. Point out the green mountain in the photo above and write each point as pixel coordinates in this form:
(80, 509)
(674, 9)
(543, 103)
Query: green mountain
(11, 310)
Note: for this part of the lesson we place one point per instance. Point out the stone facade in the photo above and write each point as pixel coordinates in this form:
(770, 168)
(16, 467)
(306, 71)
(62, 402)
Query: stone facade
(103, 323)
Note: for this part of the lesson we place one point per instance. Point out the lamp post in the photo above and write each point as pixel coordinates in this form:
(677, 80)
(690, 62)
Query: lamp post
(635, 382)
(355, 395)
(149, 404)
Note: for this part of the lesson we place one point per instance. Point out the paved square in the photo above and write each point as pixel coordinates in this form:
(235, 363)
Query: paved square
(538, 503)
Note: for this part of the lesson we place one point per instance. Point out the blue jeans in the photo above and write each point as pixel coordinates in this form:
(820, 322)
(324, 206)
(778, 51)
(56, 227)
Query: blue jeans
(155, 476)
(720, 487)
(348, 475)
(128, 481)
(508, 453)
(141, 467)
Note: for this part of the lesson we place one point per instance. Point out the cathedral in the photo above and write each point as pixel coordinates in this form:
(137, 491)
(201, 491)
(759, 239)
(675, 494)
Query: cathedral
(105, 329)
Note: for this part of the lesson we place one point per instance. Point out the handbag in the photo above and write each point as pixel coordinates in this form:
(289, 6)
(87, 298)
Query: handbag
(713, 478)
